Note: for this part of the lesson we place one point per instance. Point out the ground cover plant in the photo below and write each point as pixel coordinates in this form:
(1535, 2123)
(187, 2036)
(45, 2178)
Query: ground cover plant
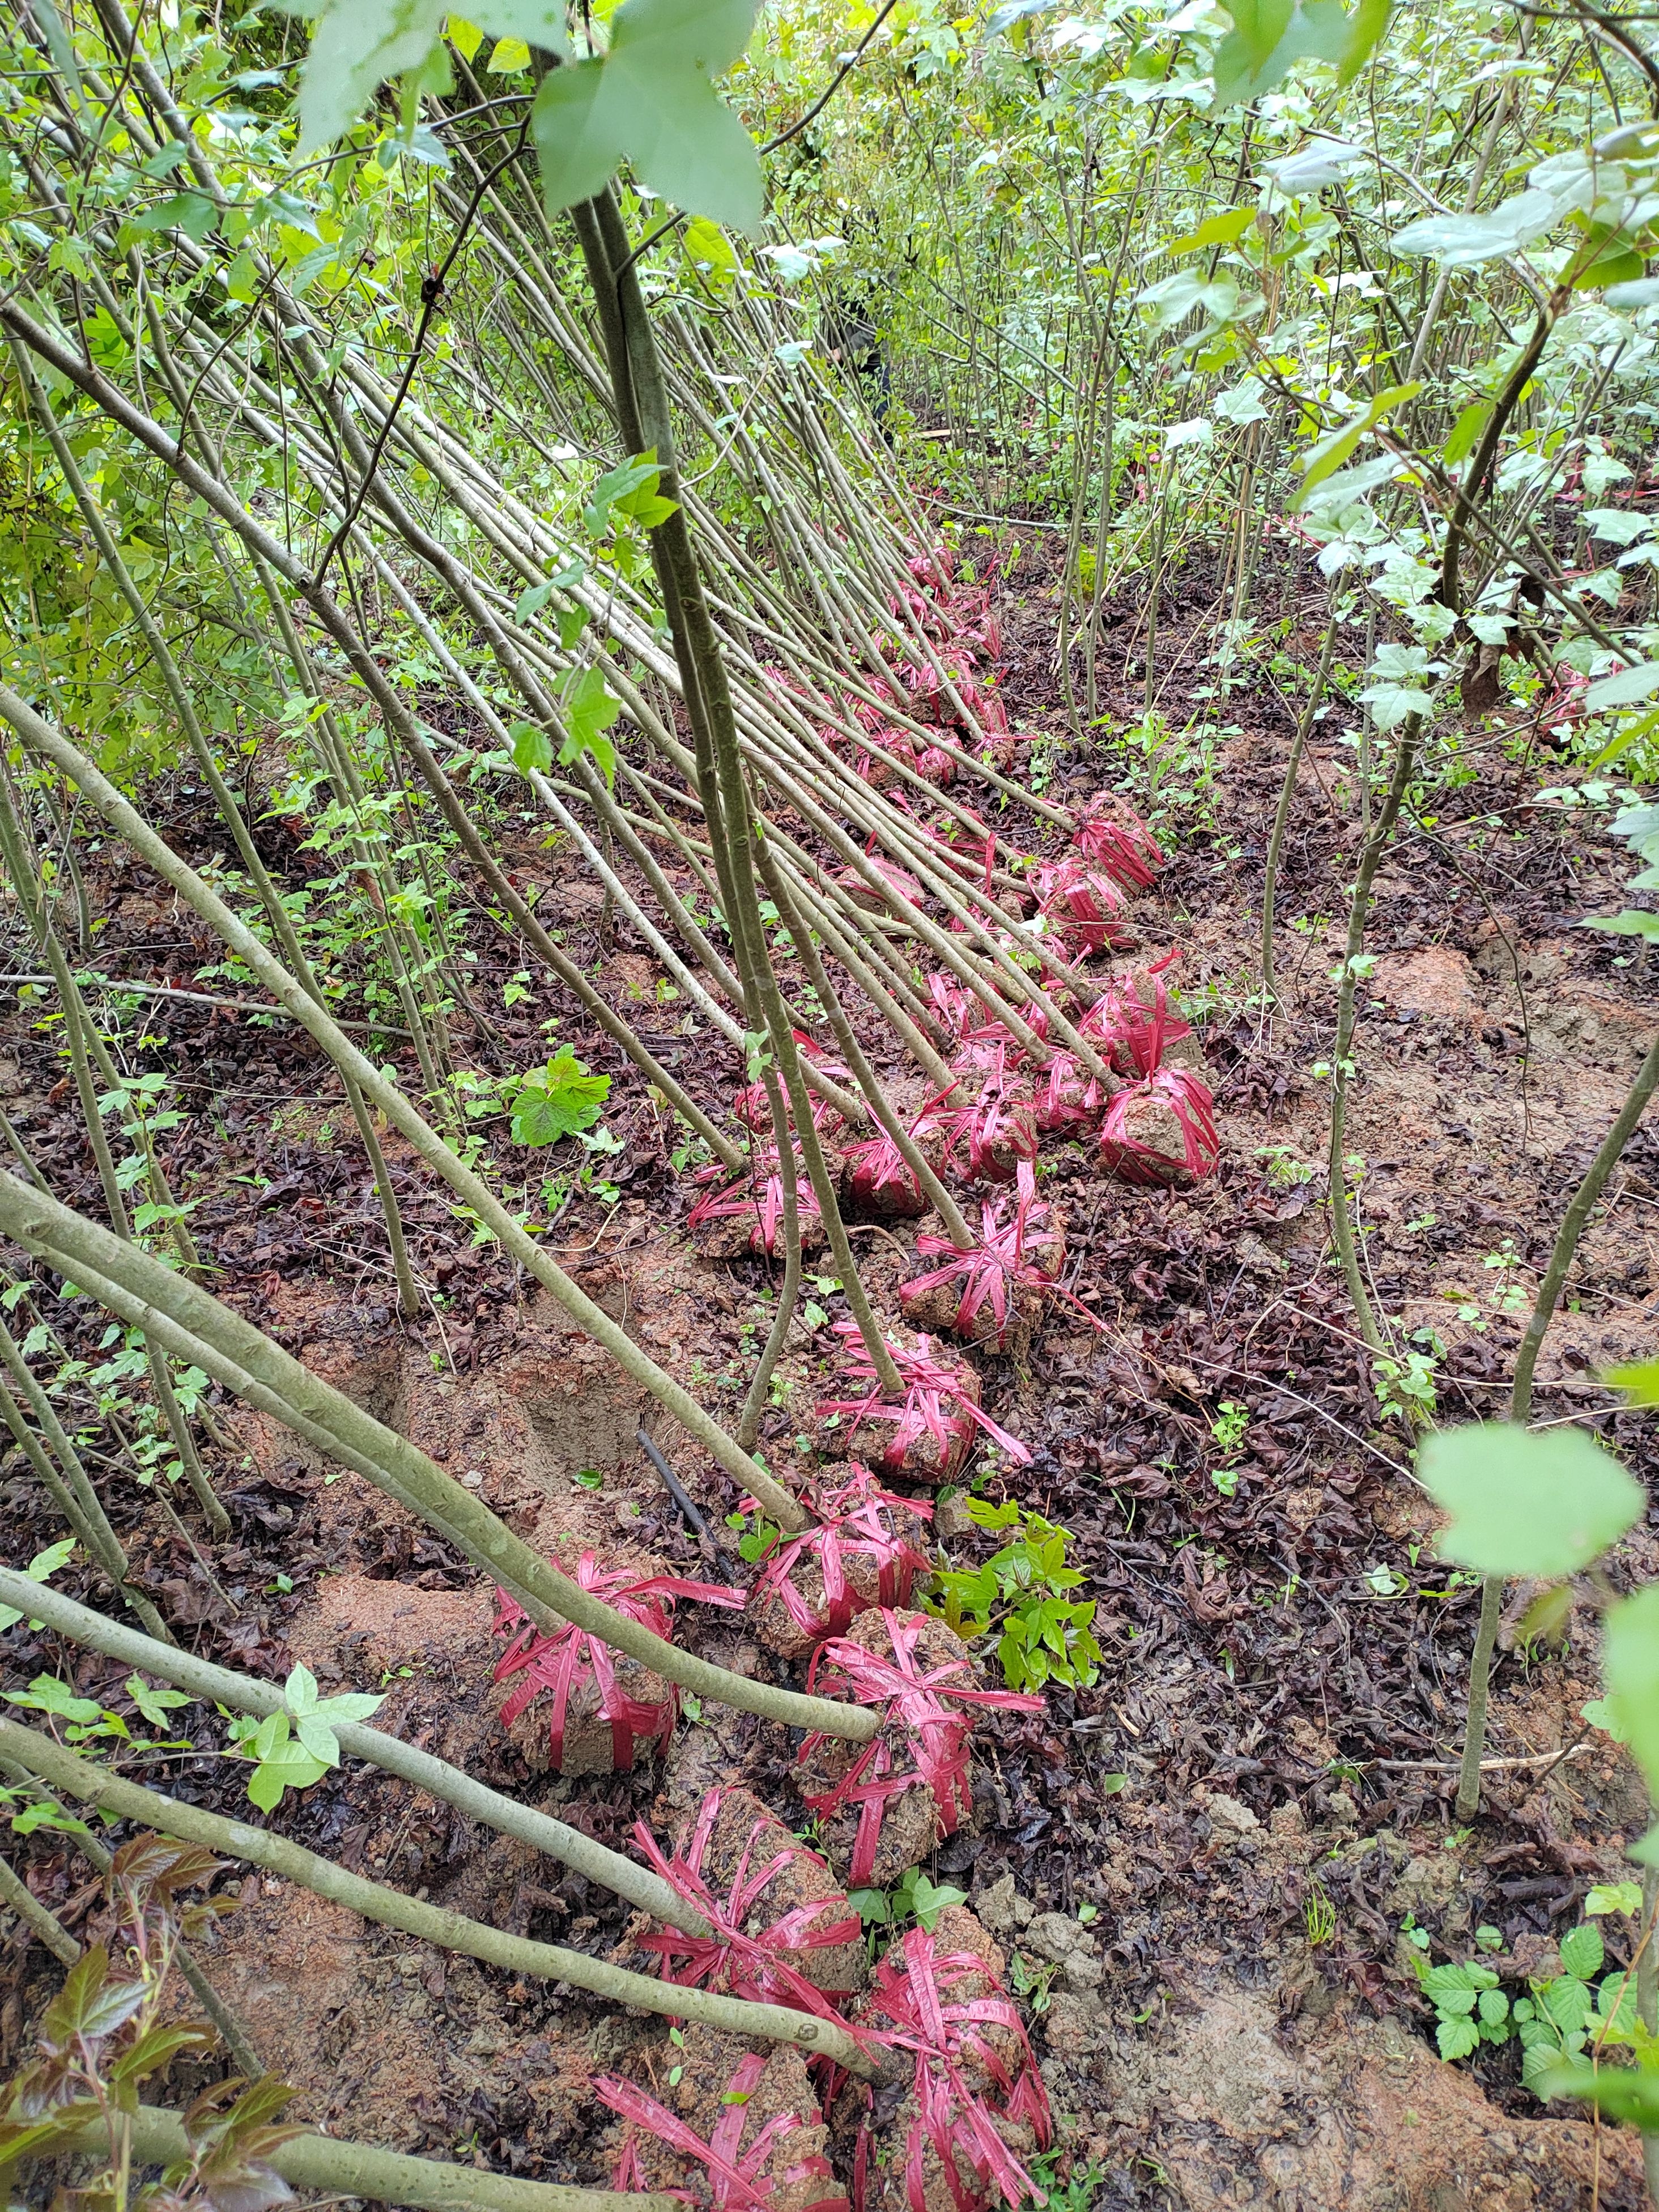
(827, 1322)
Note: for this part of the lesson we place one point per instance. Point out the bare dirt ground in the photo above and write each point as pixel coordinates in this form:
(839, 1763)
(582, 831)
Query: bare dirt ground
(1285, 1662)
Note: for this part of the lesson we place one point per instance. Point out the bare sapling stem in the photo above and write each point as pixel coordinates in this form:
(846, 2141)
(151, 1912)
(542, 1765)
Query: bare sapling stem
(337, 2169)
(1550, 1287)
(1370, 860)
(246, 1693)
(1282, 813)
(42, 738)
(429, 1923)
(197, 1326)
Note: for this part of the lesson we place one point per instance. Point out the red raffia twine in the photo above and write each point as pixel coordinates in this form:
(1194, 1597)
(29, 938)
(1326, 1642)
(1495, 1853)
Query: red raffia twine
(1083, 906)
(998, 1129)
(913, 1986)
(929, 1390)
(735, 2181)
(562, 1659)
(1134, 1034)
(1067, 1097)
(854, 1523)
(1120, 842)
(1189, 1098)
(753, 1109)
(923, 1737)
(760, 1197)
(1003, 1257)
(743, 1964)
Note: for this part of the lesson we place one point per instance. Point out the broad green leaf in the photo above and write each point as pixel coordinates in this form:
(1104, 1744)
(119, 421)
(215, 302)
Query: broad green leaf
(355, 46)
(1268, 36)
(46, 1694)
(1466, 431)
(1630, 1668)
(510, 55)
(40, 1569)
(1634, 921)
(1543, 1503)
(1639, 1383)
(557, 1100)
(351, 1706)
(1615, 1897)
(1618, 2091)
(1461, 240)
(532, 600)
(1642, 293)
(1624, 688)
(1456, 2038)
(533, 749)
(153, 1705)
(291, 1766)
(652, 100)
(1219, 230)
(1581, 1951)
(299, 1690)
(1332, 450)
(589, 712)
(315, 1736)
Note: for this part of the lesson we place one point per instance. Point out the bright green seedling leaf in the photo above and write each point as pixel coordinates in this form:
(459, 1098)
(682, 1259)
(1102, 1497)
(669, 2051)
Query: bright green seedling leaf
(557, 1100)
(1221, 230)
(1615, 1897)
(1582, 1951)
(153, 1705)
(1536, 1503)
(46, 1694)
(40, 1569)
(283, 1764)
(651, 101)
(1630, 1667)
(533, 749)
(1465, 432)
(589, 711)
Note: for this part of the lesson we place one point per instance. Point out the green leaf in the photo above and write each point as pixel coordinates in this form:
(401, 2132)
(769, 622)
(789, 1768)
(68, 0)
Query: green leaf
(533, 749)
(531, 601)
(1219, 230)
(1620, 2092)
(1462, 240)
(1466, 431)
(1268, 36)
(153, 1705)
(1581, 1951)
(1625, 688)
(589, 711)
(46, 1694)
(1634, 921)
(557, 1100)
(872, 1906)
(1630, 1668)
(652, 100)
(316, 1737)
(1332, 450)
(1456, 2038)
(289, 1766)
(355, 46)
(1541, 1502)
(1640, 1383)
(40, 1569)
(299, 1690)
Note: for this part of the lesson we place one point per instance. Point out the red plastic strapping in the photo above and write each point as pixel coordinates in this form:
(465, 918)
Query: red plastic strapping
(915, 1986)
(1189, 1098)
(562, 1659)
(853, 1522)
(1083, 906)
(736, 1958)
(736, 2183)
(759, 1197)
(1117, 839)
(1136, 1035)
(934, 1403)
(1008, 1253)
(926, 1718)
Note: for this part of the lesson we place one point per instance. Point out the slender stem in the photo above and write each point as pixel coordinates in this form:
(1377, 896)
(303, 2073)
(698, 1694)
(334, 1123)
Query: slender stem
(429, 1923)
(1370, 860)
(246, 1693)
(15, 1893)
(238, 1354)
(1281, 818)
(340, 2169)
(1550, 1287)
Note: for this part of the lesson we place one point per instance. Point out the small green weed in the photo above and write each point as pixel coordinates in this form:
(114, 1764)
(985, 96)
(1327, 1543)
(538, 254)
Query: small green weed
(1020, 1592)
